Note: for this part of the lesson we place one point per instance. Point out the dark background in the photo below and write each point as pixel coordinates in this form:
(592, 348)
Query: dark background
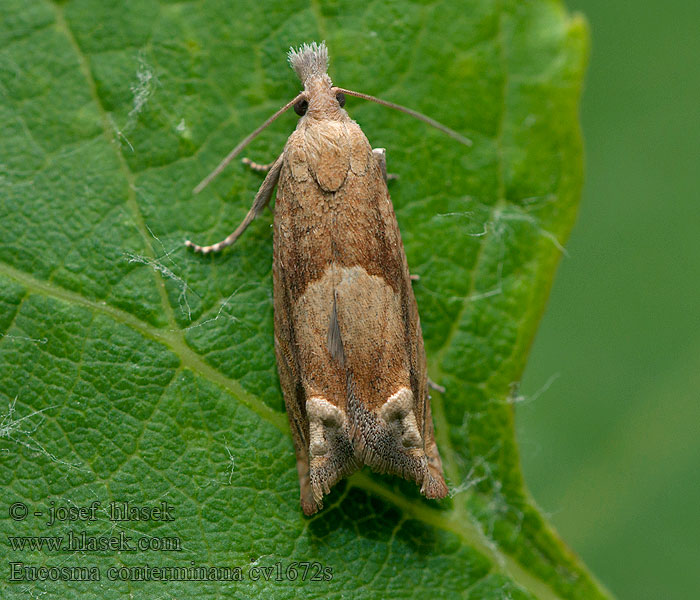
(611, 447)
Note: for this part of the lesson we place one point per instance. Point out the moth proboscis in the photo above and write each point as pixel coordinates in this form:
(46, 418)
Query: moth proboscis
(348, 340)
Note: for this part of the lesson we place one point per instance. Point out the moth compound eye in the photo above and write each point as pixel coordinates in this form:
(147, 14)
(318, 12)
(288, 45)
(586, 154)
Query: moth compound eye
(340, 97)
(300, 107)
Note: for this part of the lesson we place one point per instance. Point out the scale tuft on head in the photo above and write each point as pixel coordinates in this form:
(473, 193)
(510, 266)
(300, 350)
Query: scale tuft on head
(310, 60)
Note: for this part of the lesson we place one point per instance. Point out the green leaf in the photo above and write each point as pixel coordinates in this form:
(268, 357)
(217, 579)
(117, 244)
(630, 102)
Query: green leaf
(134, 370)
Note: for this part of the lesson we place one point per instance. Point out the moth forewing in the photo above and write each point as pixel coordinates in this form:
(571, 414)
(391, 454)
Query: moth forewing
(348, 340)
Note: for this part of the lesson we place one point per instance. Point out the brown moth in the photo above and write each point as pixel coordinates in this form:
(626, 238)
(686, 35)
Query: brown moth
(347, 333)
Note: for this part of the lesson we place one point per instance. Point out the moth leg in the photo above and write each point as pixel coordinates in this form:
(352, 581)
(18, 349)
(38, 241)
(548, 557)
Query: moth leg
(436, 386)
(261, 199)
(380, 157)
(257, 166)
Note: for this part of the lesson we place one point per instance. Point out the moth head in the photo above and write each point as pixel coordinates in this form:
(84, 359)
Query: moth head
(320, 99)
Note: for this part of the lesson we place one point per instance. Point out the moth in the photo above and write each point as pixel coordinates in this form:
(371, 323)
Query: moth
(348, 340)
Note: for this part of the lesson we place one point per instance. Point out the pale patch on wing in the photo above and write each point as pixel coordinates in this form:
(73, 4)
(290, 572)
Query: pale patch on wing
(370, 321)
(326, 422)
(397, 413)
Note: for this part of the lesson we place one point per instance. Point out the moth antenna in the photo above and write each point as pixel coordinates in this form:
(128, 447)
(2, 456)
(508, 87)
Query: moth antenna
(236, 151)
(409, 111)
